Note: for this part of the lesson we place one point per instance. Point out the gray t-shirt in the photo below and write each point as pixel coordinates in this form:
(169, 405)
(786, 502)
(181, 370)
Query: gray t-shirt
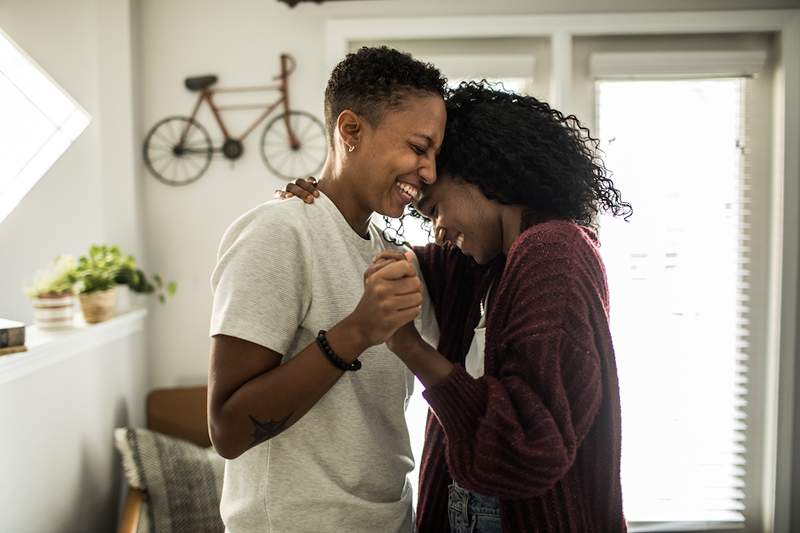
(285, 270)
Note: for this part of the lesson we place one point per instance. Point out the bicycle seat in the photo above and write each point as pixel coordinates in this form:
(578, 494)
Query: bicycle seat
(198, 83)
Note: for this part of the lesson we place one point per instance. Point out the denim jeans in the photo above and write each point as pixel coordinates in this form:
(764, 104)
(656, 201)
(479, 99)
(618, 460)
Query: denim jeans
(470, 512)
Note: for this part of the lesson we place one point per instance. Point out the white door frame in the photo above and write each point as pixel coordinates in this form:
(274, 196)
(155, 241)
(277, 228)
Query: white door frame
(785, 223)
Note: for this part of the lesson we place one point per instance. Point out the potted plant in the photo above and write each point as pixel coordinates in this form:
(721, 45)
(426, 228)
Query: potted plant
(127, 277)
(95, 280)
(98, 278)
(52, 294)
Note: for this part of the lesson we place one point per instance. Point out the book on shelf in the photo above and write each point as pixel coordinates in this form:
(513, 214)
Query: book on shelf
(13, 349)
(12, 333)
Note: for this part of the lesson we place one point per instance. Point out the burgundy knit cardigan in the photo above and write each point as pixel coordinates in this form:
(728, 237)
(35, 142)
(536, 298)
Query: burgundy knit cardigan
(541, 429)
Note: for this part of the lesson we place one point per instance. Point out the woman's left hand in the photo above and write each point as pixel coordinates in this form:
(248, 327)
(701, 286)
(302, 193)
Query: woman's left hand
(305, 189)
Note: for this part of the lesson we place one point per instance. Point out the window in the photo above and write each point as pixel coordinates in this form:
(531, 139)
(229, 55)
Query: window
(677, 276)
(40, 121)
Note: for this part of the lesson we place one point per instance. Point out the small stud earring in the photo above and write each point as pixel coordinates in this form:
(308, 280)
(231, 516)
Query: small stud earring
(351, 148)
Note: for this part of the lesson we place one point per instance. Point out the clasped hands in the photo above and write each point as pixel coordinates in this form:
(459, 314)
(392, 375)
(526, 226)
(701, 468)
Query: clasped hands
(391, 301)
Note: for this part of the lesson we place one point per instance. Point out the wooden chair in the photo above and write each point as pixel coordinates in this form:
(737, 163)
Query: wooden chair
(179, 412)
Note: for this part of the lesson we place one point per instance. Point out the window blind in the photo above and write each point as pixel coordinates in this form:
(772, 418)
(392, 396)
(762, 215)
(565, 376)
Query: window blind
(678, 275)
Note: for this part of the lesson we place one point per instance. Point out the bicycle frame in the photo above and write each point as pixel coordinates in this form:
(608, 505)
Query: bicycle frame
(207, 95)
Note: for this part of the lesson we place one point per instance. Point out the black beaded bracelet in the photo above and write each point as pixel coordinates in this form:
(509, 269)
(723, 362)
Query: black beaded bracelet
(338, 362)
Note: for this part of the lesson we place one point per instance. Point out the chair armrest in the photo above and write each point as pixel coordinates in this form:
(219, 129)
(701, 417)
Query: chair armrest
(129, 522)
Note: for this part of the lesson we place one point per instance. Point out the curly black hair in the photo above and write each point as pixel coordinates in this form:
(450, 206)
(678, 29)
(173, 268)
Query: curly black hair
(520, 151)
(374, 79)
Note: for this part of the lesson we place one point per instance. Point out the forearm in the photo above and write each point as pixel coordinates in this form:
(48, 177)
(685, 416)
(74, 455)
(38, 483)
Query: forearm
(426, 363)
(273, 401)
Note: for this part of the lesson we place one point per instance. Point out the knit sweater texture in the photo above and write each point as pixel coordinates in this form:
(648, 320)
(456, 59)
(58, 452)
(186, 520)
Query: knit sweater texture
(541, 429)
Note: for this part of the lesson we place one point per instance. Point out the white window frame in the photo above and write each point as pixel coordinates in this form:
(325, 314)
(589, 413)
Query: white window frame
(683, 65)
(782, 315)
(490, 65)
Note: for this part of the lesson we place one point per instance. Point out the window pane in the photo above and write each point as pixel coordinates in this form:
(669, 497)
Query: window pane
(24, 131)
(40, 121)
(676, 280)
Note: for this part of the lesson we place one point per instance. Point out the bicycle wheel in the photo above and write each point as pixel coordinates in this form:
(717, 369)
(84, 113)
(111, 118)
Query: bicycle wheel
(175, 162)
(303, 160)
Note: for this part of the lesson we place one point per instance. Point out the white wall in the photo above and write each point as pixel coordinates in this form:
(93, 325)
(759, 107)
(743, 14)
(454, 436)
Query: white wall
(89, 195)
(60, 472)
(63, 212)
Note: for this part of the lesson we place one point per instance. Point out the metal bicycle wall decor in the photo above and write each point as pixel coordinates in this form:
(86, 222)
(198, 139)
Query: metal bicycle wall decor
(178, 149)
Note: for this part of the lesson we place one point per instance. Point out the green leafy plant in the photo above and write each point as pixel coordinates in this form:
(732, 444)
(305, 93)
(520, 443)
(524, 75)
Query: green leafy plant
(103, 268)
(55, 280)
(98, 270)
(138, 281)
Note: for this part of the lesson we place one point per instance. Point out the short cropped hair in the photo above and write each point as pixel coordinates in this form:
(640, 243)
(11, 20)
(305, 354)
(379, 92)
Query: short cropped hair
(374, 79)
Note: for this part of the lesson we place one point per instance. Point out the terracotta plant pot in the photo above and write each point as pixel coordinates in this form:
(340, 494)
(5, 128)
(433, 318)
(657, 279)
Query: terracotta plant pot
(98, 306)
(54, 310)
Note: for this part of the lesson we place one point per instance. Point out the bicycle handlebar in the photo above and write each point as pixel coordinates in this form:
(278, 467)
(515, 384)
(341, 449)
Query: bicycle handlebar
(291, 64)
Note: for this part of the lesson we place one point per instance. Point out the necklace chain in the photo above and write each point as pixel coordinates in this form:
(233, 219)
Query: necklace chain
(485, 299)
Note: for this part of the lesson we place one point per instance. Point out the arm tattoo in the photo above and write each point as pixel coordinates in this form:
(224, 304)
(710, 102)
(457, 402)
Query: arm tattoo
(267, 429)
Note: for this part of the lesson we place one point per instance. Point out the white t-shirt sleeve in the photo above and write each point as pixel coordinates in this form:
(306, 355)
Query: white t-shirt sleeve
(261, 284)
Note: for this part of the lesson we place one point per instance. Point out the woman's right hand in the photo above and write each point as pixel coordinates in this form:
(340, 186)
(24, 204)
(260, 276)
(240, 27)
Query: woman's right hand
(303, 188)
(392, 298)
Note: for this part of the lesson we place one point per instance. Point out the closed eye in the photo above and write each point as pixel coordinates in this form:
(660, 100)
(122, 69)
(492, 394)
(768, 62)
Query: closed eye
(417, 149)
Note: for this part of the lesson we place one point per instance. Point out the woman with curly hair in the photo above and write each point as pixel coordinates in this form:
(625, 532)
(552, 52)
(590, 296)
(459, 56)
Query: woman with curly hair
(524, 421)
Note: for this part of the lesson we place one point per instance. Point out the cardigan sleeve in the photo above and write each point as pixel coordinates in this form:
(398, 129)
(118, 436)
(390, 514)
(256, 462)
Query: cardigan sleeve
(431, 260)
(447, 273)
(515, 432)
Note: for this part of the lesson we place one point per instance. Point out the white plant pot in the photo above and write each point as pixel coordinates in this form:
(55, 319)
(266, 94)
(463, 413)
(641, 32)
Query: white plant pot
(54, 312)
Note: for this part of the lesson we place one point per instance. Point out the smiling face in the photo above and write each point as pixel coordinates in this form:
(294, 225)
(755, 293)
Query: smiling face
(396, 157)
(462, 215)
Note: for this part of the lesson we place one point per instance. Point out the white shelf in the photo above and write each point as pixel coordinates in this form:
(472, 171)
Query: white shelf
(46, 348)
